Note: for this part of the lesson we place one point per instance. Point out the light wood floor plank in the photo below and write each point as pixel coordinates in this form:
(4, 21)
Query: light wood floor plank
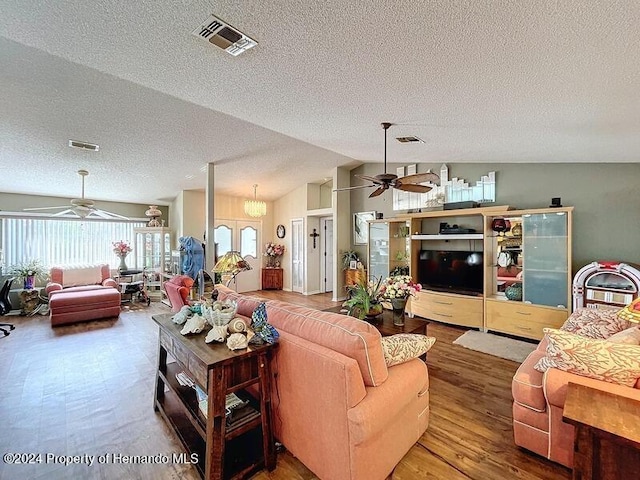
(88, 389)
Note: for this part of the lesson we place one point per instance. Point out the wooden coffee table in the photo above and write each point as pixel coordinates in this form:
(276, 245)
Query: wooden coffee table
(384, 324)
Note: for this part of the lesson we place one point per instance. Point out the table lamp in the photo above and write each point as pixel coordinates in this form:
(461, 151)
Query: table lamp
(230, 265)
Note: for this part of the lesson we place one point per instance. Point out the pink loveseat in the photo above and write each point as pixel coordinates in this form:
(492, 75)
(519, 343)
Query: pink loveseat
(82, 293)
(538, 398)
(337, 407)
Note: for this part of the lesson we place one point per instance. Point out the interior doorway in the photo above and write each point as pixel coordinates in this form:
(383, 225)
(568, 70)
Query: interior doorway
(244, 237)
(327, 261)
(297, 255)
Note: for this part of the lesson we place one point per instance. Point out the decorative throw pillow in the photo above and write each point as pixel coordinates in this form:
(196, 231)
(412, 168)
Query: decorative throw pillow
(595, 322)
(264, 332)
(631, 312)
(630, 336)
(403, 347)
(599, 359)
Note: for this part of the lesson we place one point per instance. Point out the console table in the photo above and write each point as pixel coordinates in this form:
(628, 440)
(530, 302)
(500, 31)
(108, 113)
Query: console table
(223, 451)
(607, 435)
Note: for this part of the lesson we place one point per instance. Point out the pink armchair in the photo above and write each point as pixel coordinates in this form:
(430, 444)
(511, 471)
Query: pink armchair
(177, 289)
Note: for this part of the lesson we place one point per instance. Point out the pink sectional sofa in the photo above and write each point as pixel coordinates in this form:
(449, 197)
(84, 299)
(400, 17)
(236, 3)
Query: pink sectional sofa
(538, 398)
(337, 406)
(82, 293)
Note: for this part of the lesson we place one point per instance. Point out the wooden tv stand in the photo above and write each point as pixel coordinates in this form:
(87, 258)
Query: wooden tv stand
(222, 451)
(465, 310)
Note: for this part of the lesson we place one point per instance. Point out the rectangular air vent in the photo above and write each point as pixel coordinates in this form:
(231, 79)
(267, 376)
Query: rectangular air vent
(84, 145)
(223, 35)
(409, 140)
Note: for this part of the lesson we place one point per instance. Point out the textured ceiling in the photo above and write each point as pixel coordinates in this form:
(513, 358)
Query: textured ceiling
(490, 81)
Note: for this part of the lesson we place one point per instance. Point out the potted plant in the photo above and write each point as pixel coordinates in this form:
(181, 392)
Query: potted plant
(28, 272)
(364, 299)
(348, 257)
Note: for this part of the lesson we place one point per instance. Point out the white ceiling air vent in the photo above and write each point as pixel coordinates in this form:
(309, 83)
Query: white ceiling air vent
(84, 145)
(409, 139)
(224, 36)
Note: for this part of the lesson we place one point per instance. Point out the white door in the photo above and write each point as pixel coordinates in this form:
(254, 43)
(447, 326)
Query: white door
(244, 237)
(297, 256)
(326, 269)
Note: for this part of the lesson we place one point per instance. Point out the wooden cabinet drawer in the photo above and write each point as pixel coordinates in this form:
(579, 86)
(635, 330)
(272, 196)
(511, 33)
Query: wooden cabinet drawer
(198, 370)
(165, 341)
(448, 308)
(181, 354)
(521, 319)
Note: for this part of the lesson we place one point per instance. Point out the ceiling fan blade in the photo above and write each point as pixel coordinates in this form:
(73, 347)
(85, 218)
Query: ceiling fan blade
(105, 214)
(420, 178)
(412, 187)
(370, 179)
(378, 191)
(352, 188)
(63, 213)
(45, 208)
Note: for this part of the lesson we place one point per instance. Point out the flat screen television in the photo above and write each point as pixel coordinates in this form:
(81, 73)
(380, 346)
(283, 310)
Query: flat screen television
(451, 271)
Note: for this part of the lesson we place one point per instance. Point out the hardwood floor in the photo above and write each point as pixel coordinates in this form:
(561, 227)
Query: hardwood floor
(87, 389)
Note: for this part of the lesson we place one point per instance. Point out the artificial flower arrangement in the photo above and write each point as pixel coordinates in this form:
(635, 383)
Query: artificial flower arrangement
(400, 286)
(121, 248)
(32, 268)
(273, 250)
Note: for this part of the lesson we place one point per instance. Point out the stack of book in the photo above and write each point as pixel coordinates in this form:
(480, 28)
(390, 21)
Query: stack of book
(237, 411)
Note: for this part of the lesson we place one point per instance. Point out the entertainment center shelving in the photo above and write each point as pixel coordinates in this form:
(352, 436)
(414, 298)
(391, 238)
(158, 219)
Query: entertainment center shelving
(542, 252)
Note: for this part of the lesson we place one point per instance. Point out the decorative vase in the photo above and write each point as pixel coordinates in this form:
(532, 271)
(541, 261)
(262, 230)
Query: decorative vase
(514, 292)
(29, 282)
(398, 305)
(123, 266)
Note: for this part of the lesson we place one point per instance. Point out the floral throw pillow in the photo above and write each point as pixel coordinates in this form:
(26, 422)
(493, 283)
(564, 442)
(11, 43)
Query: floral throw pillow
(403, 347)
(595, 322)
(630, 336)
(600, 359)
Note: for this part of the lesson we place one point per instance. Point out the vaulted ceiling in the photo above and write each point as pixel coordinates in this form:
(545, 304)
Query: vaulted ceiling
(492, 81)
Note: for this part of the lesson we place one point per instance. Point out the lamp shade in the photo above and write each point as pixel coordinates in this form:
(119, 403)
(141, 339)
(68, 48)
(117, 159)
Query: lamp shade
(231, 264)
(255, 207)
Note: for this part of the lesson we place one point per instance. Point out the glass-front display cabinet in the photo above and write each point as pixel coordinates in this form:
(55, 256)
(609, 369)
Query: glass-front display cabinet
(528, 274)
(388, 248)
(153, 249)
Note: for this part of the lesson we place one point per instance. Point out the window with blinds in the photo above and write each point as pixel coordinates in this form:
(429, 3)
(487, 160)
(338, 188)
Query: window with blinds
(63, 241)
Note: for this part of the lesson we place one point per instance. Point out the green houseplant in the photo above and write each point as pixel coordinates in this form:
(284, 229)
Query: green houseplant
(347, 257)
(364, 299)
(28, 272)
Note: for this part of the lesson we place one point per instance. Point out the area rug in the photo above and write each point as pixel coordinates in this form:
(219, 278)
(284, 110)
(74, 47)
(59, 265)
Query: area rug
(496, 345)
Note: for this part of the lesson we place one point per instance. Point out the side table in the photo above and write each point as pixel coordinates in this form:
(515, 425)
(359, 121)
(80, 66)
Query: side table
(607, 433)
(224, 449)
(272, 279)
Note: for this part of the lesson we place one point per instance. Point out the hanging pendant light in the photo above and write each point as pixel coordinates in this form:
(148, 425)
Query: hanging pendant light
(255, 208)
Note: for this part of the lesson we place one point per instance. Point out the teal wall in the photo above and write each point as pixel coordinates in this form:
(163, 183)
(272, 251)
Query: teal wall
(605, 197)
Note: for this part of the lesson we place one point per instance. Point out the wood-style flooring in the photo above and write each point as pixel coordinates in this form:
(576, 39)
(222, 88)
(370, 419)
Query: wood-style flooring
(87, 390)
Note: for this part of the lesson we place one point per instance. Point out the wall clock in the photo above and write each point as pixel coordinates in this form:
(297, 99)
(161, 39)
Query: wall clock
(280, 231)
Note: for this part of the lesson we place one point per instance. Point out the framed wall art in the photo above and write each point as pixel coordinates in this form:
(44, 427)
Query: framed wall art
(360, 227)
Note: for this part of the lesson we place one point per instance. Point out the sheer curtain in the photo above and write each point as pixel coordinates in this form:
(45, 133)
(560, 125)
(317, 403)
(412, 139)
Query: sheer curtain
(63, 242)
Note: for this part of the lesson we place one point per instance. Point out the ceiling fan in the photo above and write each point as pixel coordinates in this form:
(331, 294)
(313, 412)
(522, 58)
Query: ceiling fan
(408, 183)
(81, 207)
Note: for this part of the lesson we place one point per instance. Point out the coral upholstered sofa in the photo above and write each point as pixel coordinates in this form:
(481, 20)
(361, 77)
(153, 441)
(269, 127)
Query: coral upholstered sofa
(337, 406)
(82, 293)
(538, 398)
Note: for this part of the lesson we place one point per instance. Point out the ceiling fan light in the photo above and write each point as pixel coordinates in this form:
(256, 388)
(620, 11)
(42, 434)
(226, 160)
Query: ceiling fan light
(255, 208)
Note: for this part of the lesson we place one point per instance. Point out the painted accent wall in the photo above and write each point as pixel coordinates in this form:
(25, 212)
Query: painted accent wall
(606, 198)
